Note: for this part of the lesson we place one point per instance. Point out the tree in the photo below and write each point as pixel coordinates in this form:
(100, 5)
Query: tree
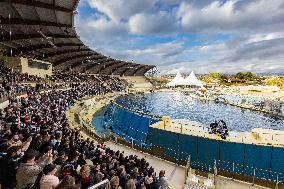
(215, 75)
(248, 76)
(224, 78)
(240, 75)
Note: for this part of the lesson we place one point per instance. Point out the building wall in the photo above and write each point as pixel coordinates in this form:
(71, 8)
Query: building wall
(12, 62)
(35, 71)
(21, 65)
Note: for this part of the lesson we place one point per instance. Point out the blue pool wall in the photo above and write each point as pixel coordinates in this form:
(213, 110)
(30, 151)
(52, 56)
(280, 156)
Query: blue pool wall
(266, 161)
(130, 125)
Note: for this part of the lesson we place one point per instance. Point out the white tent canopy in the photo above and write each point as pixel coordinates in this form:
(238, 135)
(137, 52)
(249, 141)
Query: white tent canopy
(178, 80)
(190, 80)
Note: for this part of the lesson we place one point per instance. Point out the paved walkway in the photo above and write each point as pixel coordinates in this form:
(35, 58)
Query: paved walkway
(258, 136)
(226, 183)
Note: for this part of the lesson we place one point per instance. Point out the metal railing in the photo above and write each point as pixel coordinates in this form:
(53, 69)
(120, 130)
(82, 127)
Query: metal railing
(105, 184)
(233, 169)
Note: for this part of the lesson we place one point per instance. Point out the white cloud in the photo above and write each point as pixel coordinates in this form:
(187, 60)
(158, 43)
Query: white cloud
(121, 9)
(160, 54)
(105, 28)
(264, 37)
(232, 15)
(262, 50)
(159, 23)
(121, 28)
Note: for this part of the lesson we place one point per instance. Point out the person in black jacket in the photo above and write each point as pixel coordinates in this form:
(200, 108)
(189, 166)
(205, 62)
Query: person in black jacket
(9, 165)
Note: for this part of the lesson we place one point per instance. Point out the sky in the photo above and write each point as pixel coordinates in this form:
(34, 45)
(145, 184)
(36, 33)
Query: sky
(205, 36)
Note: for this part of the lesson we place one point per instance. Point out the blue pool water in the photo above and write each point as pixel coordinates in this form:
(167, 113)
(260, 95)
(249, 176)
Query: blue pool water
(180, 106)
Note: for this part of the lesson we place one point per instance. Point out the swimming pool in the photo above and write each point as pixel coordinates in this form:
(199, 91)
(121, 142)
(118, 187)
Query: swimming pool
(177, 105)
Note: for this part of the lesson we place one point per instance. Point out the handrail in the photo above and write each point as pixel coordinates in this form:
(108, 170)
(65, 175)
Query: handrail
(106, 181)
(232, 168)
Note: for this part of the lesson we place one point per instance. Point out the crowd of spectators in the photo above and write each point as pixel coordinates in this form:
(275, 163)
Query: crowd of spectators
(12, 89)
(39, 149)
(72, 77)
(14, 83)
(9, 75)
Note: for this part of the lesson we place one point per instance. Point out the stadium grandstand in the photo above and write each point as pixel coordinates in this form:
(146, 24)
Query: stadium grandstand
(65, 124)
(44, 69)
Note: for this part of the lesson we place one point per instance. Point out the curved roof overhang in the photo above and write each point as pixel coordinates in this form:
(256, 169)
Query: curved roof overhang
(44, 30)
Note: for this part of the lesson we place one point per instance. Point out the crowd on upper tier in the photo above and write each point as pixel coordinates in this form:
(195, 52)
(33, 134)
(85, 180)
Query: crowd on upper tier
(39, 149)
(13, 83)
(9, 75)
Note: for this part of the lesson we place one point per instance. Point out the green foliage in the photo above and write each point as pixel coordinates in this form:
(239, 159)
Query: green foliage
(211, 77)
(215, 75)
(240, 75)
(248, 76)
(276, 81)
(225, 79)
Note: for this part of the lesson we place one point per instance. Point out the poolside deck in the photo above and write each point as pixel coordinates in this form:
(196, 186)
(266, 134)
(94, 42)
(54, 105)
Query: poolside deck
(258, 136)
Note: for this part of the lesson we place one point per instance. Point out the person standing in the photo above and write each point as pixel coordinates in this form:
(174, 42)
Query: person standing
(164, 184)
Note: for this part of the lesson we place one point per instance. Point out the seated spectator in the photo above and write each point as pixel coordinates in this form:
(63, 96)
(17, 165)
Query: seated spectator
(28, 170)
(14, 141)
(86, 177)
(71, 167)
(149, 180)
(131, 183)
(67, 182)
(9, 165)
(48, 180)
(114, 181)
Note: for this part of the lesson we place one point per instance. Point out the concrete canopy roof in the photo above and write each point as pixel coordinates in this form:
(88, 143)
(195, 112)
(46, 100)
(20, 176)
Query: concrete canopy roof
(44, 30)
